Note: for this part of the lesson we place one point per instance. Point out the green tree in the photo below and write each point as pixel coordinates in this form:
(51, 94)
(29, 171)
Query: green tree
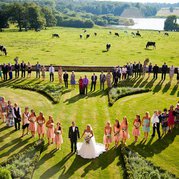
(4, 17)
(171, 23)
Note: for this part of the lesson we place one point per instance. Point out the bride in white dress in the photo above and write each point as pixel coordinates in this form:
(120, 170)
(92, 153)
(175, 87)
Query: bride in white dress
(89, 149)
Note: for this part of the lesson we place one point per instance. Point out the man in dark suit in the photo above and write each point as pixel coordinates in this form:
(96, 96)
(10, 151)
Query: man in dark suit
(17, 116)
(65, 79)
(73, 135)
(164, 71)
(16, 68)
(23, 68)
(93, 81)
(102, 80)
(4, 71)
(155, 71)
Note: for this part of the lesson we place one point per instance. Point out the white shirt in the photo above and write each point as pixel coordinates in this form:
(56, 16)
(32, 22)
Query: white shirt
(154, 119)
(51, 69)
(73, 128)
(13, 112)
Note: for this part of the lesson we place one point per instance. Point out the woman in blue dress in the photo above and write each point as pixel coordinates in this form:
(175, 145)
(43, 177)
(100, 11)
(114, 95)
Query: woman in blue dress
(146, 125)
(72, 80)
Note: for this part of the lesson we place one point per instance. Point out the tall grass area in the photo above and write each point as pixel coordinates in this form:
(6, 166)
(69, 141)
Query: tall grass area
(69, 49)
(93, 109)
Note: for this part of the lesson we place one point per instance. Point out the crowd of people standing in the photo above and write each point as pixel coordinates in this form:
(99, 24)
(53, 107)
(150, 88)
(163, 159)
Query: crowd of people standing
(28, 121)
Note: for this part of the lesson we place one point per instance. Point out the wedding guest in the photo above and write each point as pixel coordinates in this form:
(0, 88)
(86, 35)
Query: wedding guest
(1, 73)
(178, 76)
(102, 79)
(29, 69)
(135, 69)
(81, 89)
(116, 131)
(93, 82)
(51, 72)
(16, 69)
(72, 80)
(171, 118)
(155, 71)
(23, 68)
(3, 109)
(85, 84)
(4, 71)
(50, 130)
(155, 124)
(114, 73)
(124, 72)
(43, 70)
(107, 135)
(119, 73)
(40, 125)
(139, 69)
(171, 73)
(124, 130)
(164, 71)
(25, 121)
(177, 115)
(149, 69)
(65, 79)
(10, 71)
(146, 125)
(37, 70)
(10, 117)
(32, 125)
(17, 116)
(136, 128)
(58, 136)
(164, 121)
(108, 79)
(60, 74)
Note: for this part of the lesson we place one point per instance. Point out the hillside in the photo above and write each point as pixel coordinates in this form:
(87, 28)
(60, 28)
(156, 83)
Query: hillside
(167, 12)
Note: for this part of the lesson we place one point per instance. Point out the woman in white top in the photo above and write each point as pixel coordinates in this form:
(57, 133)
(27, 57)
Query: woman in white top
(25, 121)
(171, 72)
(124, 72)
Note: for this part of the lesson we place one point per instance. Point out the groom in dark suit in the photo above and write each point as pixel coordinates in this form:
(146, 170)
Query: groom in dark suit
(73, 135)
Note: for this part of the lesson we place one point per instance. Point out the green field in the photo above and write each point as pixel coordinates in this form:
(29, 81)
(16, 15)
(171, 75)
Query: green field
(69, 49)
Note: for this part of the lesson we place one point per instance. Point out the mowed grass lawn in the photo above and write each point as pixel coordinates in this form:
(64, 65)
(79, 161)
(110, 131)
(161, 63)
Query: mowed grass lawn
(69, 49)
(94, 109)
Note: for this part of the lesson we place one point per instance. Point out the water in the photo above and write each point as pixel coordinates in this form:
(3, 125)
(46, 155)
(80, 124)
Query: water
(147, 24)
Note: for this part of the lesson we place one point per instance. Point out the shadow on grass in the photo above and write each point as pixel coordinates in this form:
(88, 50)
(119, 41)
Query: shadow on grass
(149, 150)
(174, 90)
(6, 135)
(166, 87)
(158, 86)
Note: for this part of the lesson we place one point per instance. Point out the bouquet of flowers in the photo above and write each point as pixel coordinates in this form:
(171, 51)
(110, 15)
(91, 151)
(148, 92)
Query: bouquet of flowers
(116, 133)
(108, 135)
(137, 125)
(32, 119)
(52, 124)
(40, 122)
(87, 139)
(123, 129)
(58, 132)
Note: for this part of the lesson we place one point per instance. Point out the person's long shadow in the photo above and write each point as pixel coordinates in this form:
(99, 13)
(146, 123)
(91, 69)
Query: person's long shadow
(19, 143)
(174, 90)
(6, 135)
(156, 147)
(103, 161)
(158, 86)
(74, 99)
(151, 83)
(56, 168)
(3, 128)
(138, 82)
(166, 87)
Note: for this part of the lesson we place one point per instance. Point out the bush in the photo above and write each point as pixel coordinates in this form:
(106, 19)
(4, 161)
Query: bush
(5, 173)
(116, 93)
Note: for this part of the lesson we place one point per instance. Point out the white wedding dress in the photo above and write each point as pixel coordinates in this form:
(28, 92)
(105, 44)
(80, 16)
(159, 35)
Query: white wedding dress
(90, 150)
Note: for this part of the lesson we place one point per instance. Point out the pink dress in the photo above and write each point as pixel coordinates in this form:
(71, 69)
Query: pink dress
(41, 127)
(116, 134)
(58, 137)
(124, 131)
(136, 131)
(50, 132)
(171, 118)
(32, 125)
(107, 138)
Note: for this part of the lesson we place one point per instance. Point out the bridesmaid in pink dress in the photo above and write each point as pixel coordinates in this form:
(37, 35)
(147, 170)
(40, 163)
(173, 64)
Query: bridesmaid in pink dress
(136, 124)
(58, 136)
(171, 118)
(50, 130)
(116, 131)
(107, 135)
(41, 125)
(124, 130)
(32, 125)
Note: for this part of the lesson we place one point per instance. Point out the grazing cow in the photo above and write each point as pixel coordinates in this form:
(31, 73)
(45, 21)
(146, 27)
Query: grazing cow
(167, 34)
(95, 34)
(84, 30)
(159, 31)
(108, 46)
(132, 33)
(138, 34)
(3, 49)
(116, 34)
(56, 35)
(87, 36)
(81, 36)
(37, 30)
(110, 32)
(150, 44)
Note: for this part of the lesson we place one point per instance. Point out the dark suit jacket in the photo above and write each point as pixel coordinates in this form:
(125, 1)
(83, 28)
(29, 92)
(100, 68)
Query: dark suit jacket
(65, 77)
(73, 135)
(94, 78)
